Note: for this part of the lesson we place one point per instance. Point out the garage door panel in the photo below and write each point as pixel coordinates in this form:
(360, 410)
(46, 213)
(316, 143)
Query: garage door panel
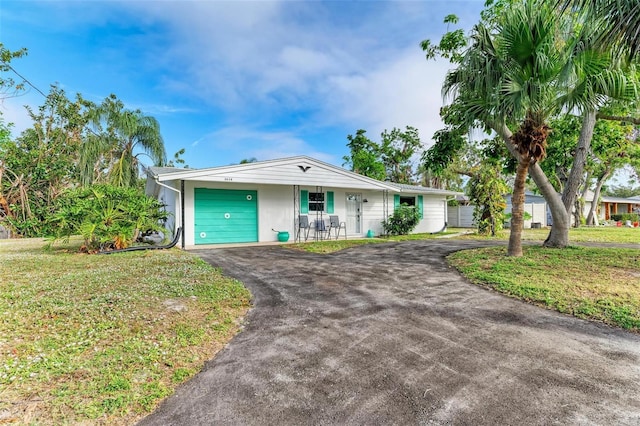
(225, 216)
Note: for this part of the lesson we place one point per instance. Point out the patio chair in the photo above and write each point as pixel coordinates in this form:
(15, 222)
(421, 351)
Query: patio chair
(334, 223)
(322, 229)
(303, 227)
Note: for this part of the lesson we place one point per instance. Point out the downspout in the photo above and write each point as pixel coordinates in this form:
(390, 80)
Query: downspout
(179, 227)
(182, 212)
(446, 215)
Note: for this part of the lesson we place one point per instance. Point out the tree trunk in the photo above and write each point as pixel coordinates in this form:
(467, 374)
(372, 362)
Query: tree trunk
(517, 208)
(596, 196)
(570, 193)
(577, 212)
(559, 234)
(583, 196)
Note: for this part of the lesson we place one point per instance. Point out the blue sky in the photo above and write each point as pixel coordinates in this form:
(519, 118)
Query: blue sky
(241, 79)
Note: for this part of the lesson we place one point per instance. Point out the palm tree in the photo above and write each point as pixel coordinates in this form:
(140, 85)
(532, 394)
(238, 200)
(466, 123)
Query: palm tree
(531, 65)
(111, 153)
(617, 21)
(509, 76)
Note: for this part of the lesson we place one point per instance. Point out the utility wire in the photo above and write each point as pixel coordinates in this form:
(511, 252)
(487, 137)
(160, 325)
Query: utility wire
(24, 78)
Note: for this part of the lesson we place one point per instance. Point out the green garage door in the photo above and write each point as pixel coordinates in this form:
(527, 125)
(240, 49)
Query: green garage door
(225, 216)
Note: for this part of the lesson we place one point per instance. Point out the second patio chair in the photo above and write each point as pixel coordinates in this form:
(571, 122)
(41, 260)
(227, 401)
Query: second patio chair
(335, 225)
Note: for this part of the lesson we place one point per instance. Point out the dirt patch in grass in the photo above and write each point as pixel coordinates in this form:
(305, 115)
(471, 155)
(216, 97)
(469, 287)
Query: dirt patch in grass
(595, 283)
(103, 339)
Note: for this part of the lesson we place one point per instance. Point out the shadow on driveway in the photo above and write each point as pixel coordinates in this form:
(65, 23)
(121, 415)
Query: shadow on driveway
(389, 334)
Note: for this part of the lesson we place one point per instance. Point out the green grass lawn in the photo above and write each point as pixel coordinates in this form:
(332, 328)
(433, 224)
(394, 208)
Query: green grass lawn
(330, 246)
(94, 338)
(601, 284)
(601, 234)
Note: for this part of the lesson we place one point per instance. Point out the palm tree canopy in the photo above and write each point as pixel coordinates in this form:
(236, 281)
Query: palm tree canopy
(533, 62)
(617, 21)
(121, 136)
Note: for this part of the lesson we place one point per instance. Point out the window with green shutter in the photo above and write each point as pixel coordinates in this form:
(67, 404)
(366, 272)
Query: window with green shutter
(396, 201)
(421, 206)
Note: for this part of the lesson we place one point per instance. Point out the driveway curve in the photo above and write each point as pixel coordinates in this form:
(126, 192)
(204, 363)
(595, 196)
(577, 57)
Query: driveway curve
(389, 334)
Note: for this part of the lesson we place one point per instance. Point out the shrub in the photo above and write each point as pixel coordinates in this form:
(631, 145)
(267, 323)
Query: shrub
(107, 217)
(622, 217)
(403, 220)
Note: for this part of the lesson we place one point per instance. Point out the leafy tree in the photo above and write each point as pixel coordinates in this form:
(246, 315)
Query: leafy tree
(5, 140)
(397, 150)
(486, 193)
(177, 160)
(623, 191)
(482, 163)
(391, 159)
(41, 163)
(364, 157)
(562, 144)
(8, 86)
(614, 146)
(120, 136)
(248, 160)
(108, 217)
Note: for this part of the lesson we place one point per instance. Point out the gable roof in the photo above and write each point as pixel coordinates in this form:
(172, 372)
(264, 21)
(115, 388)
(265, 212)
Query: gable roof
(300, 170)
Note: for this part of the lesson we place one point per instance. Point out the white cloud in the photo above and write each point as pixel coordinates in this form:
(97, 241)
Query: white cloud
(261, 60)
(403, 92)
(267, 72)
(243, 142)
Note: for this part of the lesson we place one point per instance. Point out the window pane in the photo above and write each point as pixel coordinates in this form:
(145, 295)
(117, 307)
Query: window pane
(410, 201)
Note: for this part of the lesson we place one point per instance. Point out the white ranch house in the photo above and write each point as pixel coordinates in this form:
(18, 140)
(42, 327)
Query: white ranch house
(251, 203)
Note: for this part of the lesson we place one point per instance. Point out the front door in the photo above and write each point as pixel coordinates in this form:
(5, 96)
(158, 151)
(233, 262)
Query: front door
(354, 214)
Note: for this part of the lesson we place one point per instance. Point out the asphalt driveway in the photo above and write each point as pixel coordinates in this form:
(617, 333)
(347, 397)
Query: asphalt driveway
(389, 334)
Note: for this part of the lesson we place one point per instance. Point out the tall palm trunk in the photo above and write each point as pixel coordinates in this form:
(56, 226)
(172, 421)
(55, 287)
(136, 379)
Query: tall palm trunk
(517, 208)
(559, 234)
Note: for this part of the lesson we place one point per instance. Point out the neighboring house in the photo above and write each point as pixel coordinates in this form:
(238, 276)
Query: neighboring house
(617, 205)
(611, 205)
(253, 202)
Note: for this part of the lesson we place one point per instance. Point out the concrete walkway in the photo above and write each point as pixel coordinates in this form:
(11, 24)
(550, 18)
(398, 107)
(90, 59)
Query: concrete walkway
(389, 334)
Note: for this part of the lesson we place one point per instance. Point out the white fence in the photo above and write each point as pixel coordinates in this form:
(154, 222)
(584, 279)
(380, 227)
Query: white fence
(462, 216)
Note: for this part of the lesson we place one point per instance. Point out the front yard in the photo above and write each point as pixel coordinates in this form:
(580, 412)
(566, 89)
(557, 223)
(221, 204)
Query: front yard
(104, 338)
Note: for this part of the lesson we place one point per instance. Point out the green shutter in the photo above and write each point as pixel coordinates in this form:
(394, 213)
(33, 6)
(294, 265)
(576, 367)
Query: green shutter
(420, 206)
(396, 201)
(329, 202)
(304, 202)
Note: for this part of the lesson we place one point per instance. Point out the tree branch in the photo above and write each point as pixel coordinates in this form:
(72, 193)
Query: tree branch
(632, 120)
